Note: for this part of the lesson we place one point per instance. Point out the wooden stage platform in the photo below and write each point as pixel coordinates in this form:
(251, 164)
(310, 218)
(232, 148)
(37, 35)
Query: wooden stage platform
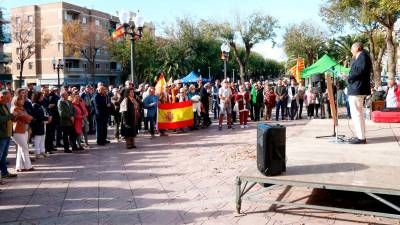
(372, 169)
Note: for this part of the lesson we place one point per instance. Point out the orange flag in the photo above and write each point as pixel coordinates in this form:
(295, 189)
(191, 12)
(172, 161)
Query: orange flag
(160, 86)
(298, 68)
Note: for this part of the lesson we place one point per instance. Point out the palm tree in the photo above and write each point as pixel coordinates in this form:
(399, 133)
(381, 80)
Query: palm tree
(341, 48)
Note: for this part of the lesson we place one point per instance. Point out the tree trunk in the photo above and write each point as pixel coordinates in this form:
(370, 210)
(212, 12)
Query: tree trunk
(242, 66)
(241, 71)
(391, 52)
(20, 73)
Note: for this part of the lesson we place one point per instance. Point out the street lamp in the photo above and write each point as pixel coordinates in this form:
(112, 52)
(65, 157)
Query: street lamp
(225, 49)
(58, 66)
(209, 73)
(133, 25)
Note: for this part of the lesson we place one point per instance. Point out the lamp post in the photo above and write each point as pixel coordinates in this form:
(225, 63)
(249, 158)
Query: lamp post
(209, 73)
(133, 25)
(58, 66)
(225, 49)
(233, 75)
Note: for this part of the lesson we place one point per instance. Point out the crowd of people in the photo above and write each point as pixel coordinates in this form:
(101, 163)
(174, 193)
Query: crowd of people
(51, 118)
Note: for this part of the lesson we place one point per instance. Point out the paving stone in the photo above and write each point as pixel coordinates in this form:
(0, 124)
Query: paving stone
(181, 179)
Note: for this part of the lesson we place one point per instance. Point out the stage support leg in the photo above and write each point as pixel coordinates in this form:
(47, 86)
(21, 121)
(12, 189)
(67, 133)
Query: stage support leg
(238, 194)
(393, 206)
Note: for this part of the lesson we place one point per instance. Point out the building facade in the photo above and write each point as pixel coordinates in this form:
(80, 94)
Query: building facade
(5, 58)
(50, 19)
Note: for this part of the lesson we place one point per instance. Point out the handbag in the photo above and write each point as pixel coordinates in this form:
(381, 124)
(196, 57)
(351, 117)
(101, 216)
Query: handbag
(236, 107)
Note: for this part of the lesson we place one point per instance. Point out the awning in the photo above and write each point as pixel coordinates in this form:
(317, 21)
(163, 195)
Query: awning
(192, 77)
(323, 65)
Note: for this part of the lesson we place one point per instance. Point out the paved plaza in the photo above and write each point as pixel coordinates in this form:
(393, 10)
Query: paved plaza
(185, 178)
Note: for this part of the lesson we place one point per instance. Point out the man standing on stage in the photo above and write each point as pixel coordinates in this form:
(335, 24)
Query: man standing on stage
(358, 89)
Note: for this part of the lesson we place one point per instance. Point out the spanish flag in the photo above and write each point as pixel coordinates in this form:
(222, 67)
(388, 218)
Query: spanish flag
(175, 115)
(119, 32)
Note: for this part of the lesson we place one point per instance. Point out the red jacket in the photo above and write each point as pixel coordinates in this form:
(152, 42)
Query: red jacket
(269, 98)
(242, 100)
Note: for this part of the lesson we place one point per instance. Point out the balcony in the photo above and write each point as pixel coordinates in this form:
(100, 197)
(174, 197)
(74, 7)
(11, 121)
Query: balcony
(5, 58)
(115, 70)
(75, 69)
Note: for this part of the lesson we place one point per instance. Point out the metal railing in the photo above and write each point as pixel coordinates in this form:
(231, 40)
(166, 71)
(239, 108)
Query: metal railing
(5, 57)
(75, 69)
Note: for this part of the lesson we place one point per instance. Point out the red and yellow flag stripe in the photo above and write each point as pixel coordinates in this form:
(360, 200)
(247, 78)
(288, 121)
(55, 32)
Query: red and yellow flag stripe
(119, 32)
(175, 115)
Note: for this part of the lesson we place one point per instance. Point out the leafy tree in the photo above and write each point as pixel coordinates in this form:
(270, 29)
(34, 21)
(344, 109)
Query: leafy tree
(27, 45)
(83, 40)
(304, 40)
(250, 31)
(368, 17)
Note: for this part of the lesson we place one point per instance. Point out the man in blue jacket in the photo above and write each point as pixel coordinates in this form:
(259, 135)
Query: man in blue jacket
(359, 80)
(150, 104)
(101, 104)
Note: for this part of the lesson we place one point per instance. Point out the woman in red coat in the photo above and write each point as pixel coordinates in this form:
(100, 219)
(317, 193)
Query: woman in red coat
(78, 122)
(269, 100)
(243, 98)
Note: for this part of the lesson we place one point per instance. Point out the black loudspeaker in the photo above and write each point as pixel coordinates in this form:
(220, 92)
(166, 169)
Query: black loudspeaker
(271, 149)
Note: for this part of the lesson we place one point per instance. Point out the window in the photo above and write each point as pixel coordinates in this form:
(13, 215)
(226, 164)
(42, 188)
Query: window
(30, 19)
(30, 65)
(85, 65)
(98, 53)
(18, 51)
(18, 66)
(84, 20)
(113, 65)
(97, 65)
(60, 47)
(18, 20)
(97, 23)
(71, 16)
(107, 66)
(97, 37)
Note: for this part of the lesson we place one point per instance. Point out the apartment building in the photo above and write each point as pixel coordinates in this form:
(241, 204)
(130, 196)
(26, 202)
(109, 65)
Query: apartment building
(5, 58)
(50, 19)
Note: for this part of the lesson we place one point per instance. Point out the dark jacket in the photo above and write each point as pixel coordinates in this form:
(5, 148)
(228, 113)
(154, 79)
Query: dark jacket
(5, 117)
(40, 116)
(53, 100)
(260, 97)
(66, 111)
(360, 75)
(205, 96)
(129, 115)
(100, 105)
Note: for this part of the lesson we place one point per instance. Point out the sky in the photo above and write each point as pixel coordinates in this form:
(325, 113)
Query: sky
(166, 11)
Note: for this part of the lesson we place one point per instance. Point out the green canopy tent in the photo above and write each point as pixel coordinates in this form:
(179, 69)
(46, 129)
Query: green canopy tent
(325, 63)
